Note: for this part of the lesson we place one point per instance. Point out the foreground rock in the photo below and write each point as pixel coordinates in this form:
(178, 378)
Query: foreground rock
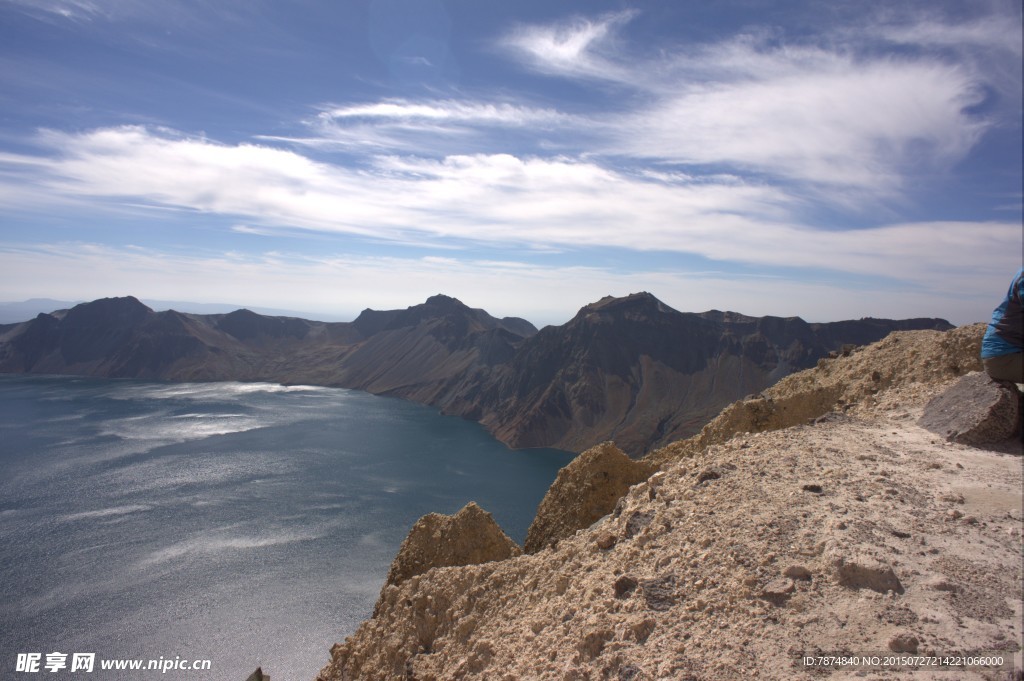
(859, 533)
(469, 537)
(584, 491)
(975, 411)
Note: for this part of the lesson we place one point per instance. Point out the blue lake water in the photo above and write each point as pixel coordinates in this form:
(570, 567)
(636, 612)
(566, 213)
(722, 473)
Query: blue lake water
(248, 524)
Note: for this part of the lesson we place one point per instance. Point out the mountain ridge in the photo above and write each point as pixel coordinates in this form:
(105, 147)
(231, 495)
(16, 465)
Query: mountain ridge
(631, 368)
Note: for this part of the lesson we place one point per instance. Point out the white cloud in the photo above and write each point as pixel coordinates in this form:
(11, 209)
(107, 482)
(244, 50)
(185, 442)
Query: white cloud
(811, 116)
(431, 126)
(496, 198)
(501, 113)
(500, 200)
(579, 47)
(840, 119)
(834, 115)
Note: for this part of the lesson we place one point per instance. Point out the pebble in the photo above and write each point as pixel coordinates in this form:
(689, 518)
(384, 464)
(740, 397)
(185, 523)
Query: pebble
(797, 572)
(779, 587)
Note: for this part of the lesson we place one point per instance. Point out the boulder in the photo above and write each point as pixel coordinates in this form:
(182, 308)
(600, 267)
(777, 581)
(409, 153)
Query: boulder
(469, 537)
(584, 491)
(975, 411)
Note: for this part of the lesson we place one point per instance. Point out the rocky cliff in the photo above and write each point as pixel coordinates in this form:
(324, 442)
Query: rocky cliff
(635, 371)
(816, 519)
(627, 369)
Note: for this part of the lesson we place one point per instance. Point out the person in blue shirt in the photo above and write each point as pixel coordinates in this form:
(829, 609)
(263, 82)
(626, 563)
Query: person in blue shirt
(1002, 348)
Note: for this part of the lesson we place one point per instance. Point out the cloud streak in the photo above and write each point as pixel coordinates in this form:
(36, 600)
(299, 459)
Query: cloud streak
(429, 126)
(497, 200)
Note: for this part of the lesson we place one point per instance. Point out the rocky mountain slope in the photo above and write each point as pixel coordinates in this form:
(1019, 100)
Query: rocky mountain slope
(630, 369)
(636, 371)
(816, 518)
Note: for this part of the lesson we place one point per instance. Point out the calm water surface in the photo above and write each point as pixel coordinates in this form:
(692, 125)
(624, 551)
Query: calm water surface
(248, 524)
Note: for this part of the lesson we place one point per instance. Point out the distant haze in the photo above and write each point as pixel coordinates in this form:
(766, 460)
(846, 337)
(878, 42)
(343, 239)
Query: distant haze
(11, 313)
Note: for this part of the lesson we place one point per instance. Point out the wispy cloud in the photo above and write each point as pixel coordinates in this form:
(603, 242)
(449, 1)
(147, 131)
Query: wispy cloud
(836, 112)
(808, 115)
(427, 126)
(446, 110)
(989, 32)
(493, 198)
(501, 200)
(75, 10)
(579, 47)
(844, 120)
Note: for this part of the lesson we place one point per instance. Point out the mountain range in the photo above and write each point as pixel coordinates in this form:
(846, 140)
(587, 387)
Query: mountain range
(629, 369)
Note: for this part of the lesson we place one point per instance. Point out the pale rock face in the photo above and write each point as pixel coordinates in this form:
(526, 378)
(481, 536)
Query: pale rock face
(469, 537)
(586, 490)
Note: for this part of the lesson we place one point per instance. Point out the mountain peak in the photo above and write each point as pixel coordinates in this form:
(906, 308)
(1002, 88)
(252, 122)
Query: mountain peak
(108, 311)
(441, 300)
(634, 303)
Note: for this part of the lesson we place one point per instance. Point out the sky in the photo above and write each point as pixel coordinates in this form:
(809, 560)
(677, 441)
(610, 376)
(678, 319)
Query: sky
(823, 160)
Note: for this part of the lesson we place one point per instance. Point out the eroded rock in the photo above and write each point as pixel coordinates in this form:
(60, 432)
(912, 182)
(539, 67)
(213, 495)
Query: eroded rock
(469, 537)
(585, 490)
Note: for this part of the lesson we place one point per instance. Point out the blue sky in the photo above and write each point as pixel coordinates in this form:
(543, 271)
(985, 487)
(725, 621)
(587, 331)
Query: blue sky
(785, 158)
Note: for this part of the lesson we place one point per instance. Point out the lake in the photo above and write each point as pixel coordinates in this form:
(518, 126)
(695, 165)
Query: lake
(243, 523)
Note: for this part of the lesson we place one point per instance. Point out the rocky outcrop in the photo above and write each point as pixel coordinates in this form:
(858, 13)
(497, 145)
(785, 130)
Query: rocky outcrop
(860, 532)
(469, 537)
(975, 411)
(584, 491)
